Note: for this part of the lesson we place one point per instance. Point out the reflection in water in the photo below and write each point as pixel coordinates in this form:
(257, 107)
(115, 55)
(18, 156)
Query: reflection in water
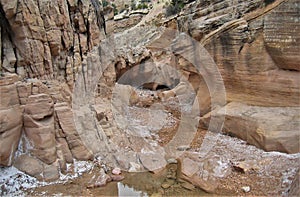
(124, 190)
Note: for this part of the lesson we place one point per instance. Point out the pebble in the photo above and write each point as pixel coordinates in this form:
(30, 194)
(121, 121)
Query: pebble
(246, 189)
(116, 171)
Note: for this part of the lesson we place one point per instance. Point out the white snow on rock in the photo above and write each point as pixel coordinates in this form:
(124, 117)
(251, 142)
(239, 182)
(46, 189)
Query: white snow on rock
(13, 182)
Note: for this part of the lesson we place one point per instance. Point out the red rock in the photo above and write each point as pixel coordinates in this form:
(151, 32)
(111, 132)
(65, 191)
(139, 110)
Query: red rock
(116, 171)
(117, 177)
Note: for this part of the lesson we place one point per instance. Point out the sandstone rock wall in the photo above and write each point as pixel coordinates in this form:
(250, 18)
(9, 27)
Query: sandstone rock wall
(44, 43)
(10, 119)
(254, 44)
(48, 39)
(38, 134)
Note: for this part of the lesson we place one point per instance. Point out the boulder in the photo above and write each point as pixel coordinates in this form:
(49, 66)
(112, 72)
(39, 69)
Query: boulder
(116, 171)
(269, 128)
(34, 167)
(153, 161)
(99, 180)
(117, 177)
(50, 172)
(30, 166)
(205, 173)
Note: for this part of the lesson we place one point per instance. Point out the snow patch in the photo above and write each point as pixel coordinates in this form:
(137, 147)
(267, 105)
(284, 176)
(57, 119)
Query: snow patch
(14, 182)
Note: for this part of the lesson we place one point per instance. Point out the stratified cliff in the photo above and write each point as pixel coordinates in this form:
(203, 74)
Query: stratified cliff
(255, 45)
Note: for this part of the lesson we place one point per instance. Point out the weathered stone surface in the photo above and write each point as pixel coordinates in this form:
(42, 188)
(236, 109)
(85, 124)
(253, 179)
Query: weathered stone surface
(61, 161)
(62, 145)
(215, 171)
(50, 172)
(99, 180)
(39, 106)
(257, 65)
(30, 166)
(281, 35)
(269, 128)
(8, 90)
(10, 119)
(153, 161)
(190, 170)
(36, 168)
(10, 133)
(66, 122)
(39, 127)
(44, 32)
(116, 171)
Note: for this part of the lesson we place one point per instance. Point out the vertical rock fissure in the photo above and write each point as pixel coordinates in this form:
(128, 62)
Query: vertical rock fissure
(99, 15)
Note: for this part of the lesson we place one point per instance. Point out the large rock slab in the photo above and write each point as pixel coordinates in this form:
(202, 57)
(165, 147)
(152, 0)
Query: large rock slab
(232, 164)
(39, 127)
(10, 119)
(36, 168)
(205, 172)
(66, 122)
(269, 128)
(30, 166)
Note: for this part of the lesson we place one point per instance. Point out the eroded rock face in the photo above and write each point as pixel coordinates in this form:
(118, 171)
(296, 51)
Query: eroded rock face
(39, 127)
(43, 40)
(249, 55)
(10, 119)
(49, 38)
(66, 123)
(280, 40)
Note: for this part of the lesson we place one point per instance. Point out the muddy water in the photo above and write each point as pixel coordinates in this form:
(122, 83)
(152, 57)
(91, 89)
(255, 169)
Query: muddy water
(134, 184)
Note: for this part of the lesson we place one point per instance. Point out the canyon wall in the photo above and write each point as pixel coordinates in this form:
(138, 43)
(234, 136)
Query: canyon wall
(48, 39)
(44, 45)
(255, 46)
